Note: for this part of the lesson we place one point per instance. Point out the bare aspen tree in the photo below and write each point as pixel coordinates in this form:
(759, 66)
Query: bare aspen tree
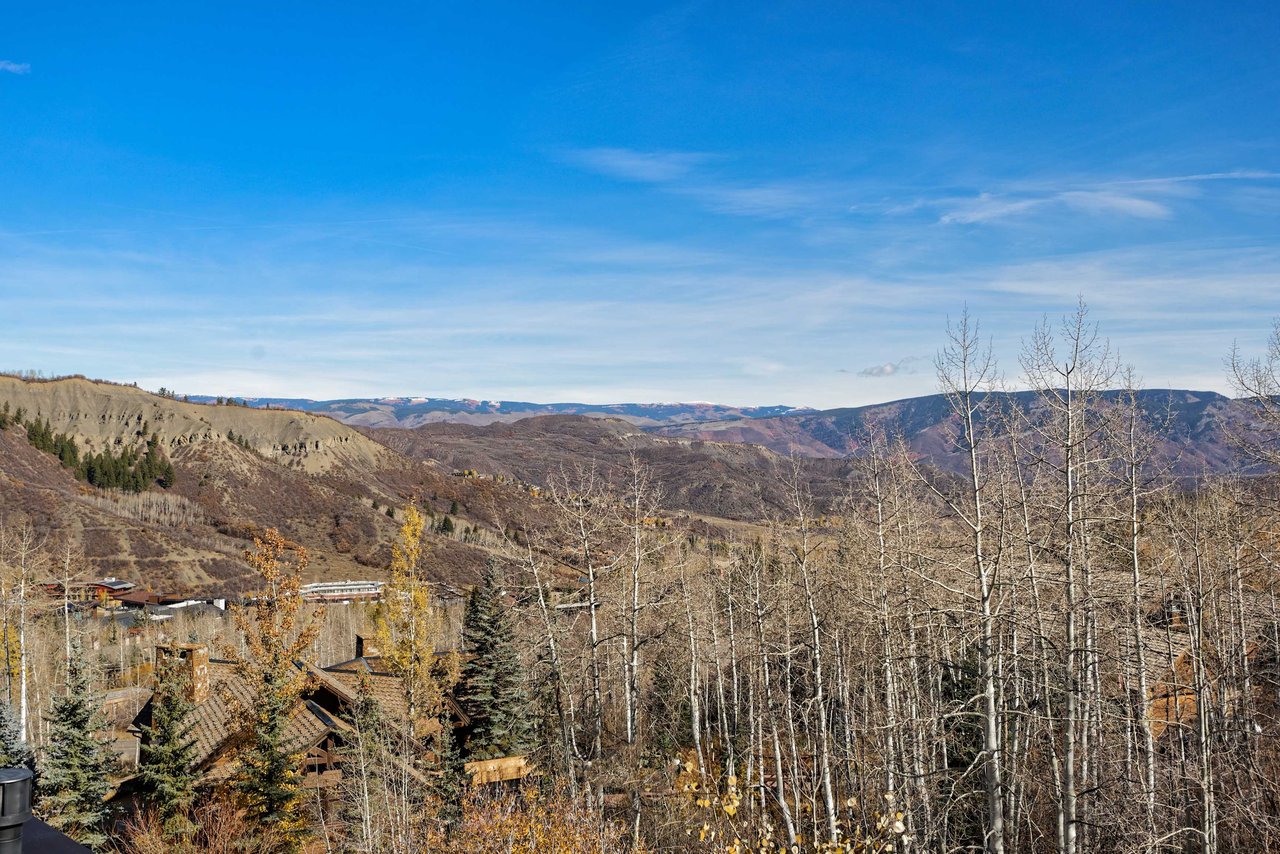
(803, 553)
(1067, 384)
(1135, 448)
(581, 503)
(24, 547)
(1257, 380)
(641, 501)
(966, 371)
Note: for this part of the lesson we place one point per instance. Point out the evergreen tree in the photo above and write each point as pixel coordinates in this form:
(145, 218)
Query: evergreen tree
(277, 632)
(492, 690)
(166, 773)
(450, 783)
(269, 778)
(14, 750)
(73, 773)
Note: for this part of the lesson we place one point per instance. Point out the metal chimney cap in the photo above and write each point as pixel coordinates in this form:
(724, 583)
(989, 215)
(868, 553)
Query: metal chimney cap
(14, 775)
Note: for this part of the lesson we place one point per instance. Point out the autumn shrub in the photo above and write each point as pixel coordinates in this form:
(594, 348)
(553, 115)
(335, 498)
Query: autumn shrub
(221, 827)
(533, 820)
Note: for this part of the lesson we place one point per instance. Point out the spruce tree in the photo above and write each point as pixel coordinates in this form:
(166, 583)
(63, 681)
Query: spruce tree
(278, 631)
(73, 772)
(166, 772)
(492, 689)
(14, 750)
(269, 780)
(450, 783)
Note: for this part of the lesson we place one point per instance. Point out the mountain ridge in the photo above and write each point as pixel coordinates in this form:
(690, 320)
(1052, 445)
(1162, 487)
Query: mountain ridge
(1195, 437)
(414, 411)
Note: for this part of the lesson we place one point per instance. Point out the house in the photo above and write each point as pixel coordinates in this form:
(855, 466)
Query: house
(319, 723)
(1176, 672)
(104, 592)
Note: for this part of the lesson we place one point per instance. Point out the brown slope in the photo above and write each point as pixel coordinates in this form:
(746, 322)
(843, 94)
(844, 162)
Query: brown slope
(101, 415)
(316, 481)
(1194, 429)
(711, 478)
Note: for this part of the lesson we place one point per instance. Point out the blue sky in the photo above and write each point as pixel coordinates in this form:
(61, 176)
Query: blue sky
(744, 202)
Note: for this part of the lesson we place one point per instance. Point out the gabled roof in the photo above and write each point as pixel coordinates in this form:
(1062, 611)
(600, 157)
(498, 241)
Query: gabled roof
(219, 721)
(385, 688)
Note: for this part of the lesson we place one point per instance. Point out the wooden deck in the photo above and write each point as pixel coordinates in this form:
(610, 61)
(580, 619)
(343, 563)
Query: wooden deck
(499, 770)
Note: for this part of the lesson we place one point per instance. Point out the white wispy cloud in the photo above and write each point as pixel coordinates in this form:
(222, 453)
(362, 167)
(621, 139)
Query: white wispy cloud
(1234, 175)
(520, 308)
(987, 207)
(15, 67)
(647, 167)
(683, 173)
(764, 200)
(1140, 198)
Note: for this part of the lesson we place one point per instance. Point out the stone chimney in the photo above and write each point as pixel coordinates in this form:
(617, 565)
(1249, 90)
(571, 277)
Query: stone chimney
(364, 649)
(195, 666)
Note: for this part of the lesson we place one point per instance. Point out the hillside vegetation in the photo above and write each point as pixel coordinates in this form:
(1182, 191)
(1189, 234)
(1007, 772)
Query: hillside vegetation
(1194, 427)
(235, 473)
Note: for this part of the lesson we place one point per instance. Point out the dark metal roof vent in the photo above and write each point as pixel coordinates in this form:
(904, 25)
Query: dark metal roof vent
(15, 807)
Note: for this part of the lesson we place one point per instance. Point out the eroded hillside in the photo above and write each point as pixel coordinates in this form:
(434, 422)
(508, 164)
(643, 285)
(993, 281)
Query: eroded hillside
(102, 415)
(238, 472)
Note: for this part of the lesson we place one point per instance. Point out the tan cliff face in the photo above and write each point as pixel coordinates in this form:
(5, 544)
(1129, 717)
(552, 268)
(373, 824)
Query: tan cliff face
(321, 483)
(102, 415)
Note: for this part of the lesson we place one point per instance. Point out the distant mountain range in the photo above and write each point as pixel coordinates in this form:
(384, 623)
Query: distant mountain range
(415, 411)
(734, 468)
(329, 485)
(1193, 425)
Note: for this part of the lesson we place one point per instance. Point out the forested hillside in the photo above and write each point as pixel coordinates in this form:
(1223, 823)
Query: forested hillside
(1038, 622)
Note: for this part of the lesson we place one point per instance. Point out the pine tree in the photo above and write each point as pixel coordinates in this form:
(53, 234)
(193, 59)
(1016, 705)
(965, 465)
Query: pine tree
(14, 750)
(449, 784)
(277, 633)
(73, 779)
(492, 690)
(166, 773)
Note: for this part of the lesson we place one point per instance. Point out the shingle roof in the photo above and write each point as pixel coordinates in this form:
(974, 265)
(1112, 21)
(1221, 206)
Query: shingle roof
(219, 722)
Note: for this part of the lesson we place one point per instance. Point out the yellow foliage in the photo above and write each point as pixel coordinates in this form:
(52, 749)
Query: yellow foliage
(724, 827)
(406, 626)
(534, 822)
(277, 630)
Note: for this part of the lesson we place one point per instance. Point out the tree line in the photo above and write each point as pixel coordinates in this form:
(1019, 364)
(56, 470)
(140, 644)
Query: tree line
(1062, 648)
(130, 469)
